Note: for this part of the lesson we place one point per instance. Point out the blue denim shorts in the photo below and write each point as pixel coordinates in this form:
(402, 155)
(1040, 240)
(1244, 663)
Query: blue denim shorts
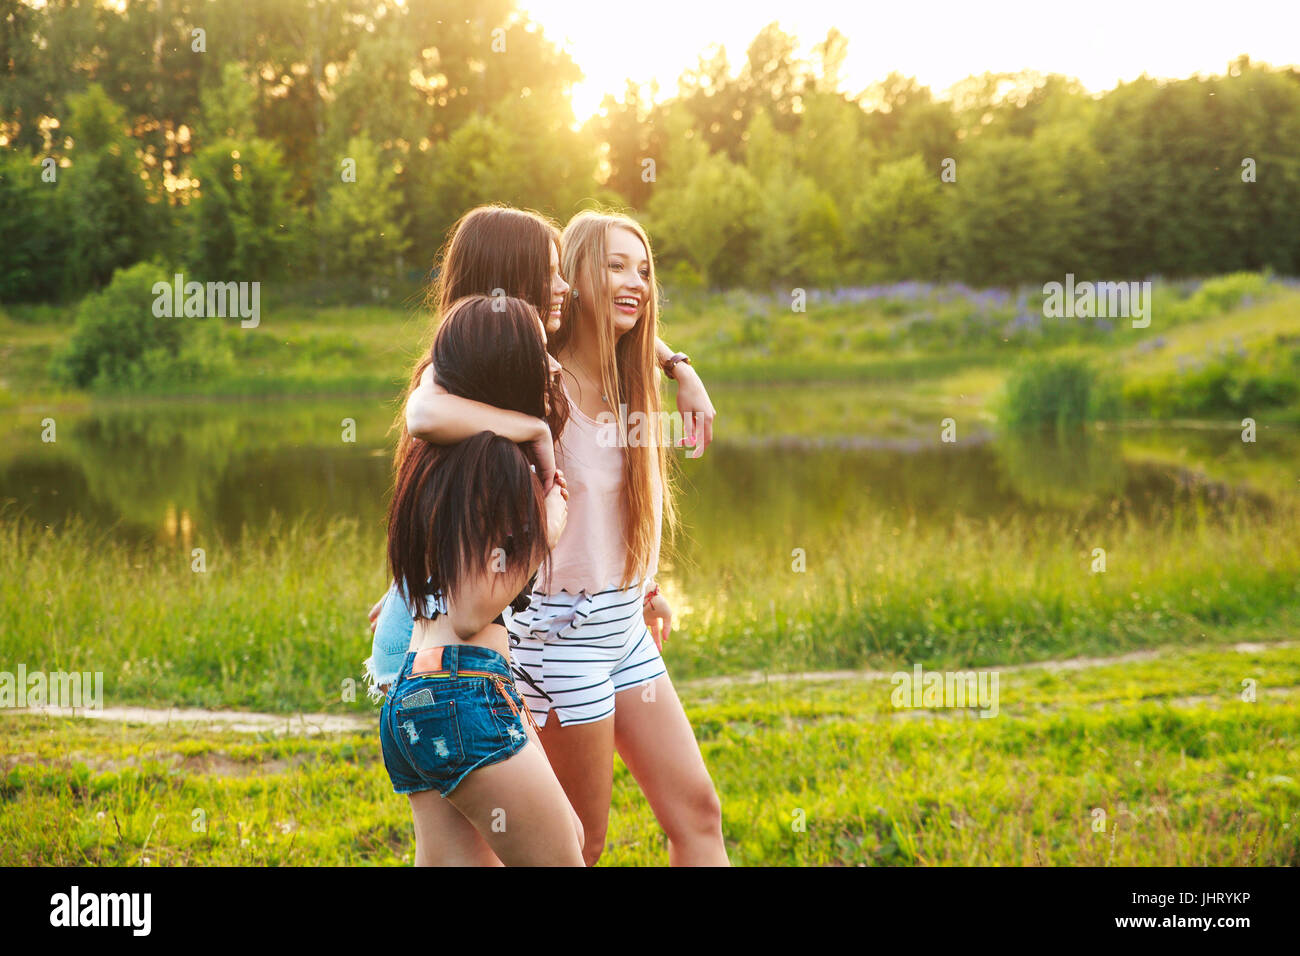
(451, 710)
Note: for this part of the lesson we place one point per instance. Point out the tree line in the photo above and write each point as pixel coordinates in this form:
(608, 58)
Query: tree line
(267, 139)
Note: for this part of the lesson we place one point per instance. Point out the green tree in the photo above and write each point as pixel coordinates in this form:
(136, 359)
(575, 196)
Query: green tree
(1013, 214)
(830, 146)
(905, 120)
(796, 226)
(243, 224)
(33, 230)
(632, 130)
(898, 218)
(361, 222)
(116, 221)
(704, 214)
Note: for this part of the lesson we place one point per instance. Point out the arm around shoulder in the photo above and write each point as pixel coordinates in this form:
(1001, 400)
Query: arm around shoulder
(435, 415)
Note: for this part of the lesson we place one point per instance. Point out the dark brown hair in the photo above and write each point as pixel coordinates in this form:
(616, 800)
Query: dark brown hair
(453, 505)
(493, 250)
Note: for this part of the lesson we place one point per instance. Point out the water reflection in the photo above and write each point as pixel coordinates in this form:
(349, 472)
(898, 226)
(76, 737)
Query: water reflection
(177, 473)
(180, 473)
(1074, 469)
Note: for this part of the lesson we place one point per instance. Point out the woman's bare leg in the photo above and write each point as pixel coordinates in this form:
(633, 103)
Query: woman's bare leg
(443, 837)
(520, 810)
(655, 740)
(582, 756)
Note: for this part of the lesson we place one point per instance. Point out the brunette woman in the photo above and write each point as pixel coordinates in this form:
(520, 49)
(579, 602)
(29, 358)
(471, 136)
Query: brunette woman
(468, 525)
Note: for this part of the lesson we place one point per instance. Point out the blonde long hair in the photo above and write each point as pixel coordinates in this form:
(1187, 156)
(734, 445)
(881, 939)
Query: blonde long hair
(628, 369)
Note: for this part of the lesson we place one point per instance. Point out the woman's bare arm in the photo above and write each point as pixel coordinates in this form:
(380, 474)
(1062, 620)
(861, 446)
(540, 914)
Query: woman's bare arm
(436, 416)
(693, 401)
(662, 352)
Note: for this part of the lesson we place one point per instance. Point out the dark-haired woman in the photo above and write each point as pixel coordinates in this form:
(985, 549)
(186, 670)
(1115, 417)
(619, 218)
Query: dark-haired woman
(492, 250)
(468, 526)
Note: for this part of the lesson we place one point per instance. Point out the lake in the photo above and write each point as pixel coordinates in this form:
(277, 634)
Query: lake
(785, 457)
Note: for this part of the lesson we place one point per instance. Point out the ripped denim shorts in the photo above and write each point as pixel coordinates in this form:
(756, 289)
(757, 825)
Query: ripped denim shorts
(451, 710)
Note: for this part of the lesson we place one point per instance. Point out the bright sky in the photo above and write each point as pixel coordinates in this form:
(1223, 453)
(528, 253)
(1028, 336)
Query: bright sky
(1101, 42)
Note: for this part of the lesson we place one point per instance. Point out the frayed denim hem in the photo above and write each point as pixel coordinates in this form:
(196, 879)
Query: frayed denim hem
(375, 680)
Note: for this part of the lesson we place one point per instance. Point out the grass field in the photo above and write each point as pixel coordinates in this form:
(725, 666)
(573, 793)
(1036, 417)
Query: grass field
(1153, 761)
(1185, 772)
(277, 623)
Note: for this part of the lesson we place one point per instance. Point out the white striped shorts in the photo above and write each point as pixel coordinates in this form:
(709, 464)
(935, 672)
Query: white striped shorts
(581, 649)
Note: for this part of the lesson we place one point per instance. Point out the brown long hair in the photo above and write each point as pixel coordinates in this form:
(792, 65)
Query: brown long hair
(453, 505)
(492, 250)
(628, 369)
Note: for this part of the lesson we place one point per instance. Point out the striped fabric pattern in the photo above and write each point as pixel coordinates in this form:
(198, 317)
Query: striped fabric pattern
(581, 649)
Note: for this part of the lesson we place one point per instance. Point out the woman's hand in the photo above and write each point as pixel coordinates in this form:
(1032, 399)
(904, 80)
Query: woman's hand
(541, 449)
(557, 509)
(696, 410)
(374, 612)
(659, 619)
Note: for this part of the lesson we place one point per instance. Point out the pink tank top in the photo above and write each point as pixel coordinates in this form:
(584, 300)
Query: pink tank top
(592, 549)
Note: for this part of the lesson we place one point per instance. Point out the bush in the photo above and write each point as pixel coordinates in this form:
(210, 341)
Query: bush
(118, 342)
(1220, 295)
(1228, 385)
(1059, 390)
(1224, 293)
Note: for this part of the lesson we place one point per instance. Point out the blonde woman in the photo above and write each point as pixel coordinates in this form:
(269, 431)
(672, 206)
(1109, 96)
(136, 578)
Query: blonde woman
(590, 645)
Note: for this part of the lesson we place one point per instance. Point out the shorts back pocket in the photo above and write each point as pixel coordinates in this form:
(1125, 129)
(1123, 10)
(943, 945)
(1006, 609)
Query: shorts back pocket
(429, 733)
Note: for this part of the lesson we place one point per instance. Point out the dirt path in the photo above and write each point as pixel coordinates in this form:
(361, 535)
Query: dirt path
(1069, 664)
(241, 721)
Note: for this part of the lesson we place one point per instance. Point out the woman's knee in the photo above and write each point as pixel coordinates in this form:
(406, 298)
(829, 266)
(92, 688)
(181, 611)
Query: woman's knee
(698, 810)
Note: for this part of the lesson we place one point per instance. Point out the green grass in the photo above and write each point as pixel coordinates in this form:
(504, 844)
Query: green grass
(880, 588)
(1251, 326)
(276, 621)
(1185, 771)
(1245, 362)
(295, 350)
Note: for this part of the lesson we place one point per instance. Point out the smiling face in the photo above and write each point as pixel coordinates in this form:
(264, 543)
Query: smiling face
(559, 289)
(628, 268)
